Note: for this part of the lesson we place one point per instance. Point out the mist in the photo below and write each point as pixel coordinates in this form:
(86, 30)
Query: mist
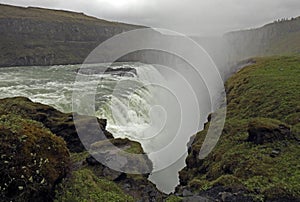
(192, 17)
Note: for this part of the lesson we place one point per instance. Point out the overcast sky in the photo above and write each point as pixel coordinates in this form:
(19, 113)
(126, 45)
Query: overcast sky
(192, 17)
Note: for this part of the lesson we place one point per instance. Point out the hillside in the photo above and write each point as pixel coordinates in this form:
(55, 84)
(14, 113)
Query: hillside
(277, 38)
(43, 159)
(36, 36)
(257, 156)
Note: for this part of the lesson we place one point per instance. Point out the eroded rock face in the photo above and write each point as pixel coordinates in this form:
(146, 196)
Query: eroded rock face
(35, 36)
(33, 160)
(61, 124)
(137, 185)
(262, 130)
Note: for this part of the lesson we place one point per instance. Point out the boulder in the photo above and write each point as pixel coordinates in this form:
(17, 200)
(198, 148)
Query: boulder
(126, 71)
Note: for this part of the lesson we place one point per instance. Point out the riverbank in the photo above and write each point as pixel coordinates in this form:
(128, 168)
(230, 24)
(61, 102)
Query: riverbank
(60, 169)
(256, 158)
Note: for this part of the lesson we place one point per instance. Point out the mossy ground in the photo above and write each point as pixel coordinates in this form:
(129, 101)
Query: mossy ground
(264, 95)
(28, 123)
(33, 160)
(87, 183)
(84, 185)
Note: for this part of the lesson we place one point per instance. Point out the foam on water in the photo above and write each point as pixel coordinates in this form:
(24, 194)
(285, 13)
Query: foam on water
(127, 103)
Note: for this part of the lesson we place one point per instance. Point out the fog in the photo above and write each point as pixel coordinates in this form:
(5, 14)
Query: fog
(191, 17)
(194, 80)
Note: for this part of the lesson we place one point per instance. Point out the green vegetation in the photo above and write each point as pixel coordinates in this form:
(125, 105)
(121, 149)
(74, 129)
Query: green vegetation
(43, 14)
(33, 160)
(36, 36)
(269, 88)
(174, 198)
(83, 186)
(258, 151)
(87, 183)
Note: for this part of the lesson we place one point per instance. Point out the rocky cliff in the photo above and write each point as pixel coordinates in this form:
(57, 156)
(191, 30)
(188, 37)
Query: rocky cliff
(277, 38)
(256, 158)
(35, 36)
(43, 159)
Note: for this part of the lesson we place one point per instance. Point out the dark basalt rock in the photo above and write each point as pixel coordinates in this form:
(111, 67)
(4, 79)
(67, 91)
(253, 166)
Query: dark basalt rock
(135, 185)
(61, 124)
(221, 193)
(196, 199)
(127, 71)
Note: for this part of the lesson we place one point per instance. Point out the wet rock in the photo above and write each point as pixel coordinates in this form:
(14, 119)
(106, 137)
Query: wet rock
(91, 161)
(61, 124)
(112, 174)
(126, 71)
(186, 193)
(225, 196)
(196, 199)
(221, 193)
(122, 154)
(137, 185)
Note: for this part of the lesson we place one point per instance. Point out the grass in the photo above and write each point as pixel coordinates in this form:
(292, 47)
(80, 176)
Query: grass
(33, 160)
(262, 97)
(269, 88)
(38, 36)
(84, 186)
(43, 14)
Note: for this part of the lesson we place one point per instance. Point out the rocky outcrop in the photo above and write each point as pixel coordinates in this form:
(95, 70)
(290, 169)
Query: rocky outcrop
(32, 141)
(135, 185)
(256, 157)
(126, 71)
(61, 124)
(279, 37)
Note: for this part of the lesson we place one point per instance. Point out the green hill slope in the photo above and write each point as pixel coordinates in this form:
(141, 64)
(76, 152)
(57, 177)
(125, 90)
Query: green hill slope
(36, 36)
(258, 152)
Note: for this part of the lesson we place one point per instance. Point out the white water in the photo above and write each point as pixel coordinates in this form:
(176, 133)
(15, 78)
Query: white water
(136, 108)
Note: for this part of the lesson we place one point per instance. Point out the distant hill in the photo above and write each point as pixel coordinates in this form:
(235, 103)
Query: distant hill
(277, 38)
(37, 36)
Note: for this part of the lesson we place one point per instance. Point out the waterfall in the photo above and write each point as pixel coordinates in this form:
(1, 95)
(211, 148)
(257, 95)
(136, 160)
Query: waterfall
(149, 108)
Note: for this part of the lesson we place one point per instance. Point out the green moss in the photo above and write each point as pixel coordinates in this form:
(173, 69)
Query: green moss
(94, 174)
(79, 157)
(263, 97)
(267, 89)
(174, 198)
(199, 184)
(33, 160)
(265, 123)
(83, 185)
(228, 181)
(296, 131)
